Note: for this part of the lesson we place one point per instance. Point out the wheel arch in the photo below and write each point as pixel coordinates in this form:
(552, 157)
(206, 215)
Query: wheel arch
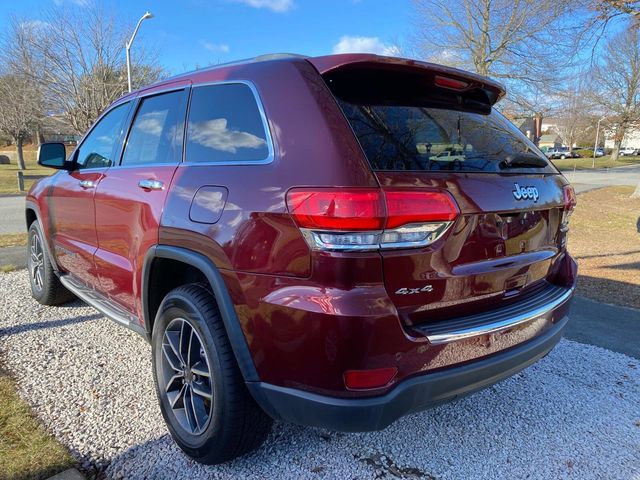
(32, 214)
(212, 275)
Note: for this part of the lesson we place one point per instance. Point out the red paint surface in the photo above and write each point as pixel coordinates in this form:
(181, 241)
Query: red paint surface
(310, 316)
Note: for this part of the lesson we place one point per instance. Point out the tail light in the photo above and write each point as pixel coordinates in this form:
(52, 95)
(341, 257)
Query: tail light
(570, 199)
(570, 202)
(369, 219)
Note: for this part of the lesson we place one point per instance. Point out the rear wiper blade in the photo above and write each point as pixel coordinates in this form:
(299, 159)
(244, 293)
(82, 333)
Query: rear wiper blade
(524, 160)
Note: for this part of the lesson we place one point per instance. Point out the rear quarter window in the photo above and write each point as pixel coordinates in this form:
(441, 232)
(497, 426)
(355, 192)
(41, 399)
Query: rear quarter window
(225, 125)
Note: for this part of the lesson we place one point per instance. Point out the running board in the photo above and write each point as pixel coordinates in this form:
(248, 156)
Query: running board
(101, 303)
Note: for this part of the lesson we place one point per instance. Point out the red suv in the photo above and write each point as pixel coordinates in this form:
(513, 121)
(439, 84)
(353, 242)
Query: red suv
(286, 234)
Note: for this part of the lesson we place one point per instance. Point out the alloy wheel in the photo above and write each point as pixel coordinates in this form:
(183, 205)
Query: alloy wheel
(187, 376)
(36, 262)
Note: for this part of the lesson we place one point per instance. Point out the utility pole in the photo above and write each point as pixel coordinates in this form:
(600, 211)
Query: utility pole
(595, 146)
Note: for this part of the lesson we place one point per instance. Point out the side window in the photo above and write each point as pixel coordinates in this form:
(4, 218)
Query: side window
(100, 147)
(157, 130)
(225, 125)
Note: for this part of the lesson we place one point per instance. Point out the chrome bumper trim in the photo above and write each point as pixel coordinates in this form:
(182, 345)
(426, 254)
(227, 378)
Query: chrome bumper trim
(462, 333)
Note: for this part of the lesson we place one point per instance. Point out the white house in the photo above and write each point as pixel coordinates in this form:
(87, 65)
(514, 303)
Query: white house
(631, 138)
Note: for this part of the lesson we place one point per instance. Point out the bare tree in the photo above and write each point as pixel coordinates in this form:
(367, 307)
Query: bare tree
(77, 60)
(511, 40)
(526, 44)
(573, 111)
(20, 112)
(617, 84)
(610, 9)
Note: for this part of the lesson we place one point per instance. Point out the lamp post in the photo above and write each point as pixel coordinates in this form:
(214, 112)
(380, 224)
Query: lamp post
(128, 46)
(595, 146)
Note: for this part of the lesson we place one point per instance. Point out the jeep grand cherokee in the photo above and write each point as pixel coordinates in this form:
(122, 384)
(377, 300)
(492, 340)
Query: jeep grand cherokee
(286, 235)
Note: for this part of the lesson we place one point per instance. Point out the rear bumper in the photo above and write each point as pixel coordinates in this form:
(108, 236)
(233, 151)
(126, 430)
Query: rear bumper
(411, 395)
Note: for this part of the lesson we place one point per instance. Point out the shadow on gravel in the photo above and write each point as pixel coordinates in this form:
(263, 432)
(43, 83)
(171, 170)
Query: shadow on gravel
(26, 327)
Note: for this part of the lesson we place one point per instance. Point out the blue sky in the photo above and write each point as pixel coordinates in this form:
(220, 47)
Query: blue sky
(187, 33)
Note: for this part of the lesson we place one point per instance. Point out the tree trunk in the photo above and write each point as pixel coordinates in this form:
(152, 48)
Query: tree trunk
(636, 193)
(39, 136)
(19, 153)
(537, 127)
(616, 149)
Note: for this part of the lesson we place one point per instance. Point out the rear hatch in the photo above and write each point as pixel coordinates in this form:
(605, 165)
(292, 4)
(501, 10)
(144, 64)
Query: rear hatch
(426, 127)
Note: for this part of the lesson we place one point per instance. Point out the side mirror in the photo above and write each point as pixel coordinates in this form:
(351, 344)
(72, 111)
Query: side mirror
(53, 155)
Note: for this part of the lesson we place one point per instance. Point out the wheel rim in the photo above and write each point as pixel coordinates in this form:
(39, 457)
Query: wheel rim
(36, 262)
(187, 376)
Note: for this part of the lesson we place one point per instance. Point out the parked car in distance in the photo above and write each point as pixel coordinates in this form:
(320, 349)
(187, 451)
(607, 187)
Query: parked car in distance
(272, 228)
(627, 151)
(599, 152)
(561, 153)
(448, 156)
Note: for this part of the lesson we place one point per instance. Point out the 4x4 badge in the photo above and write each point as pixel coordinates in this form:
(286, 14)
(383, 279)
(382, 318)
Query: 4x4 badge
(412, 291)
(522, 193)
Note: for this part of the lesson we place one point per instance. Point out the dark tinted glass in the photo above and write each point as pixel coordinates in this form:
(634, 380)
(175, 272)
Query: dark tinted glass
(100, 146)
(225, 125)
(405, 137)
(156, 133)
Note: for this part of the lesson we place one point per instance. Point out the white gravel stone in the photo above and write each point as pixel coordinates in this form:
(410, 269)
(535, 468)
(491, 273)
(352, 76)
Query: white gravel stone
(574, 414)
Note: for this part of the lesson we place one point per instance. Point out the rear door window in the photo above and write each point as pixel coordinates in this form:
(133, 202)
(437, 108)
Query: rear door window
(156, 133)
(225, 125)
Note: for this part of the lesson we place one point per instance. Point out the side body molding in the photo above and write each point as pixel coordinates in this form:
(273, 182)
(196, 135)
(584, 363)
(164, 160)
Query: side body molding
(227, 310)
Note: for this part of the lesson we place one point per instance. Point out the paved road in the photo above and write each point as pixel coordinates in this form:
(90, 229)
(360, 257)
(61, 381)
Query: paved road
(583, 180)
(12, 214)
(13, 256)
(607, 326)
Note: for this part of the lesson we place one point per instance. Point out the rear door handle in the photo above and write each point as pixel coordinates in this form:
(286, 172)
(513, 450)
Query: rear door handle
(151, 184)
(87, 184)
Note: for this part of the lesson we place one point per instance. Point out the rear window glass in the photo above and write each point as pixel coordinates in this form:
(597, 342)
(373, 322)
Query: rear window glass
(225, 125)
(415, 137)
(404, 120)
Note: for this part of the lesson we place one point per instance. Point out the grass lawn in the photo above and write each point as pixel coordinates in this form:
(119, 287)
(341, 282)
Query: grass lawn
(604, 238)
(8, 179)
(13, 239)
(26, 449)
(568, 164)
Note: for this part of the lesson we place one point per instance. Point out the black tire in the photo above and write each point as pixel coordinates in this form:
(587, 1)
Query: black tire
(230, 424)
(562, 157)
(45, 285)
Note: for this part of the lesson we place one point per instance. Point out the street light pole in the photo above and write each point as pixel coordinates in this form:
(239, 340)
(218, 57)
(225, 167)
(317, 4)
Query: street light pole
(593, 165)
(128, 46)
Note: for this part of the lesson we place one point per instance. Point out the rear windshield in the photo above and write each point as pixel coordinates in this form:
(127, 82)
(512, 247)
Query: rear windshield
(413, 131)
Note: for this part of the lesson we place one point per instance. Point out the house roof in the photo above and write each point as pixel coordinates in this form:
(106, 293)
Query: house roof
(549, 138)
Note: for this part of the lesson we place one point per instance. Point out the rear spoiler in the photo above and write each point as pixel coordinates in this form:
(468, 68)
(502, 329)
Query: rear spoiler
(445, 77)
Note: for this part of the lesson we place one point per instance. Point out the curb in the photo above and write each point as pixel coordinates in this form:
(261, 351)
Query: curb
(71, 474)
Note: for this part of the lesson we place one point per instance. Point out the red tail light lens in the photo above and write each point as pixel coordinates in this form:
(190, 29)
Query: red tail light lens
(368, 219)
(409, 206)
(365, 379)
(570, 199)
(333, 209)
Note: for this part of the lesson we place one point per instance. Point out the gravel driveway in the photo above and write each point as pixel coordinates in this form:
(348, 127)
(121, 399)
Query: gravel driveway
(575, 414)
